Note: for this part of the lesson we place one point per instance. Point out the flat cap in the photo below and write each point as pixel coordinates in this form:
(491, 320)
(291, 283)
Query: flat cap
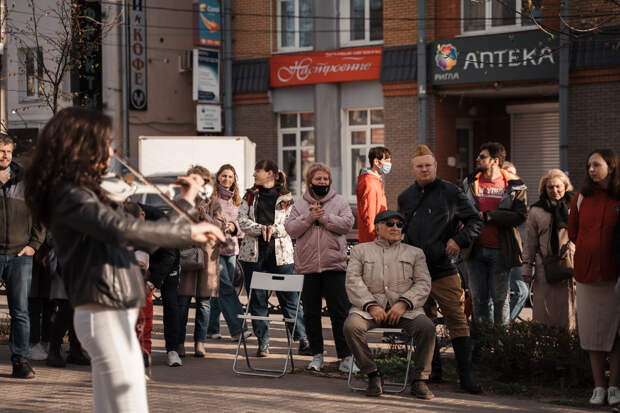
(382, 216)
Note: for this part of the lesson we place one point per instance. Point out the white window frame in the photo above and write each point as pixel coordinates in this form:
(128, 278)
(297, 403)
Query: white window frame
(345, 25)
(489, 29)
(296, 47)
(38, 74)
(348, 188)
(299, 187)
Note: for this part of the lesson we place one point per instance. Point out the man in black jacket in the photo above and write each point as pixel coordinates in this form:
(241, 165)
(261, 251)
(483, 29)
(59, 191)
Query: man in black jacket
(20, 238)
(441, 221)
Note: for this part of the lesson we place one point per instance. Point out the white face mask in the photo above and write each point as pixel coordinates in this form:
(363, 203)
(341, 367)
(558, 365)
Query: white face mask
(206, 191)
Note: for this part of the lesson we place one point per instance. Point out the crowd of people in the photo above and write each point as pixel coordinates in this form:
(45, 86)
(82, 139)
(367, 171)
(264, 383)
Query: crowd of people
(103, 258)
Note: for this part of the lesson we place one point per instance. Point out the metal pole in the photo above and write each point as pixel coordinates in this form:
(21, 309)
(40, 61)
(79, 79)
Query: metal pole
(227, 72)
(123, 80)
(422, 72)
(4, 121)
(564, 74)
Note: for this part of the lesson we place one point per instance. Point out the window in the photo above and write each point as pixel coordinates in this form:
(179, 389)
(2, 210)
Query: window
(32, 67)
(361, 22)
(294, 24)
(484, 16)
(363, 130)
(296, 141)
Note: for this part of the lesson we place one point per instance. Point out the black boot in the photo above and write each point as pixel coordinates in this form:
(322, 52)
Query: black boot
(436, 373)
(54, 358)
(462, 352)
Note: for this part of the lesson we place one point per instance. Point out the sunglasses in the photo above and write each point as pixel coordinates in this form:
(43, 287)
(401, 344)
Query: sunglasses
(482, 156)
(399, 224)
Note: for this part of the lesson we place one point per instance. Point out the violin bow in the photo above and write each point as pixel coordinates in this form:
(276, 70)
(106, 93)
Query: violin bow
(159, 192)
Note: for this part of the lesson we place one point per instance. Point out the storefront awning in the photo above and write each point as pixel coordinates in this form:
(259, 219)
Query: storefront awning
(399, 64)
(250, 76)
(599, 50)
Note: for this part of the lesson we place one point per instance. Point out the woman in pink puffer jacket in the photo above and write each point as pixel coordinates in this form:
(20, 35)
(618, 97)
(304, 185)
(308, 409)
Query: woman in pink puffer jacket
(319, 221)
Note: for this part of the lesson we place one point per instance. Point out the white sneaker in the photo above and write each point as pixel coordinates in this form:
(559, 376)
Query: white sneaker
(173, 359)
(598, 396)
(215, 336)
(613, 395)
(317, 363)
(346, 363)
(38, 352)
(246, 334)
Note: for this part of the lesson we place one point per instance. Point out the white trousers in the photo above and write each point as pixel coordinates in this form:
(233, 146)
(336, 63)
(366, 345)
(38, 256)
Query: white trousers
(109, 337)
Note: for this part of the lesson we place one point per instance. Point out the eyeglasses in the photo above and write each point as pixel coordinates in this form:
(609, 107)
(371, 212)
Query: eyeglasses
(483, 156)
(399, 224)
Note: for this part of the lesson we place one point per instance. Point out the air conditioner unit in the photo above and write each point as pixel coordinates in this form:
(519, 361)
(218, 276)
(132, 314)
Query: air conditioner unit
(185, 61)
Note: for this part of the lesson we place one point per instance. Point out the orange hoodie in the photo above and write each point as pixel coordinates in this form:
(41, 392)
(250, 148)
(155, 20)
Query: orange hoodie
(370, 201)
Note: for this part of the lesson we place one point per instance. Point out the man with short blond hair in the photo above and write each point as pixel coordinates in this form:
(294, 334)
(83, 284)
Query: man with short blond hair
(441, 221)
(20, 238)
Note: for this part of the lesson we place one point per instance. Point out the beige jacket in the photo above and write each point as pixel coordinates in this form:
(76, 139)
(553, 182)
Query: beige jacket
(380, 274)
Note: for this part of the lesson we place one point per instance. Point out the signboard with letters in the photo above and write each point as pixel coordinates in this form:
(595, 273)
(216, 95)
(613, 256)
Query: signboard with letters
(510, 56)
(137, 55)
(208, 118)
(346, 65)
(209, 23)
(206, 84)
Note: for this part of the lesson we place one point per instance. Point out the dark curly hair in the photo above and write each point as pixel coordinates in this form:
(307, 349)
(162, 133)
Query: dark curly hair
(73, 147)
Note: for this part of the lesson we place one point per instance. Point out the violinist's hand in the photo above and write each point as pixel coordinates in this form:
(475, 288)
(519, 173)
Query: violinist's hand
(204, 231)
(190, 187)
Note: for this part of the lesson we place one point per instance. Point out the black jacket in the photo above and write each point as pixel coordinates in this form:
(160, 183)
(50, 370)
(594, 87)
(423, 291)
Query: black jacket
(92, 241)
(434, 214)
(164, 261)
(17, 229)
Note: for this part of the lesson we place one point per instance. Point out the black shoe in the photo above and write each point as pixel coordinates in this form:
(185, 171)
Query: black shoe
(78, 358)
(420, 390)
(463, 355)
(22, 369)
(54, 358)
(263, 350)
(304, 347)
(375, 384)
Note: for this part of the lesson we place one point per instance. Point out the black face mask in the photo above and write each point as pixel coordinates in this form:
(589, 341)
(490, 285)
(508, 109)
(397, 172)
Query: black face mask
(320, 190)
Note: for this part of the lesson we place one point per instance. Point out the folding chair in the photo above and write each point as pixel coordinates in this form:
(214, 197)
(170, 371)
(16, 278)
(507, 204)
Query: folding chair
(270, 282)
(400, 387)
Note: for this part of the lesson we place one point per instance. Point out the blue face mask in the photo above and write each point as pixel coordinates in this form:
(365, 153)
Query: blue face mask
(386, 168)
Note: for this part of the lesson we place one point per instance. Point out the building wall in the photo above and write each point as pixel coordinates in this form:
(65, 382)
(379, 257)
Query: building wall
(258, 122)
(593, 123)
(252, 23)
(397, 32)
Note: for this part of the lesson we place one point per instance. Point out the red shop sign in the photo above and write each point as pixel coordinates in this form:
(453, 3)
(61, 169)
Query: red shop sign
(345, 65)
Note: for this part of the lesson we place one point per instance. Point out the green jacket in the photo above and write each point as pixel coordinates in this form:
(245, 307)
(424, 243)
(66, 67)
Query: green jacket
(17, 228)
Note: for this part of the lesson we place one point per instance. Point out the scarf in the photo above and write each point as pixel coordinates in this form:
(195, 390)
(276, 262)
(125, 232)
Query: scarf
(224, 193)
(559, 216)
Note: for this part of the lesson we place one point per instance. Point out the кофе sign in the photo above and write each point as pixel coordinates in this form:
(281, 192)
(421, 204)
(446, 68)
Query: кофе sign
(345, 65)
(511, 56)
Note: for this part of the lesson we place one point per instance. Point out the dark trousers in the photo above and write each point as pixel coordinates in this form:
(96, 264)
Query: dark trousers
(328, 284)
(40, 311)
(63, 322)
(172, 313)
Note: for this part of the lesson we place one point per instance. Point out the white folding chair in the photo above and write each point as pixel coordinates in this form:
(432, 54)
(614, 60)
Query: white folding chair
(388, 387)
(270, 282)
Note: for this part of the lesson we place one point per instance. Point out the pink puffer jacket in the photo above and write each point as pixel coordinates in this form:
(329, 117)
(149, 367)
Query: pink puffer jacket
(321, 245)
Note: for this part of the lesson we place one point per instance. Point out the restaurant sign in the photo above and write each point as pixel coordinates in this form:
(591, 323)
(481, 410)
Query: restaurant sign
(511, 56)
(345, 65)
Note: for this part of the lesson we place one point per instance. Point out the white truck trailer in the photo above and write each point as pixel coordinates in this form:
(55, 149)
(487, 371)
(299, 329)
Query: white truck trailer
(173, 155)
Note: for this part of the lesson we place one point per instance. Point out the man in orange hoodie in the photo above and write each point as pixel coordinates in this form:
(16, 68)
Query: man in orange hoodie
(370, 192)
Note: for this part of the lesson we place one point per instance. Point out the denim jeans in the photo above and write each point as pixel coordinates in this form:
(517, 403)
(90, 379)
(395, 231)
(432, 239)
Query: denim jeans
(16, 272)
(520, 291)
(488, 277)
(201, 320)
(227, 302)
(259, 298)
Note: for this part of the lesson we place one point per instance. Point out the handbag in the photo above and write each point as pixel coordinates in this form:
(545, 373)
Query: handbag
(192, 259)
(559, 267)
(239, 277)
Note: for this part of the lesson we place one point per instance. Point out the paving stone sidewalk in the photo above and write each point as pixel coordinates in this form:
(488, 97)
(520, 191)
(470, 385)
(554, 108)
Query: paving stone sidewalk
(209, 385)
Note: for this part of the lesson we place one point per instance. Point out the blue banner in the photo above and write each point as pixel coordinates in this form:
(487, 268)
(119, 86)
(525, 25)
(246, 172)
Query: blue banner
(209, 23)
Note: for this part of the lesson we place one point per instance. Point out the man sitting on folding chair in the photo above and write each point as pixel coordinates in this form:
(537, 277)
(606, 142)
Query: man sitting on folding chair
(385, 273)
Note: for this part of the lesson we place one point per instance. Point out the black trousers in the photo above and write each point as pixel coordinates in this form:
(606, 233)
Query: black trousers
(40, 311)
(172, 312)
(62, 323)
(328, 285)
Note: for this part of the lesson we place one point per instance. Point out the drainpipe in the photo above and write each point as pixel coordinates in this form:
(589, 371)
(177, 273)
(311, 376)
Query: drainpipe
(123, 79)
(4, 119)
(564, 74)
(227, 72)
(421, 72)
